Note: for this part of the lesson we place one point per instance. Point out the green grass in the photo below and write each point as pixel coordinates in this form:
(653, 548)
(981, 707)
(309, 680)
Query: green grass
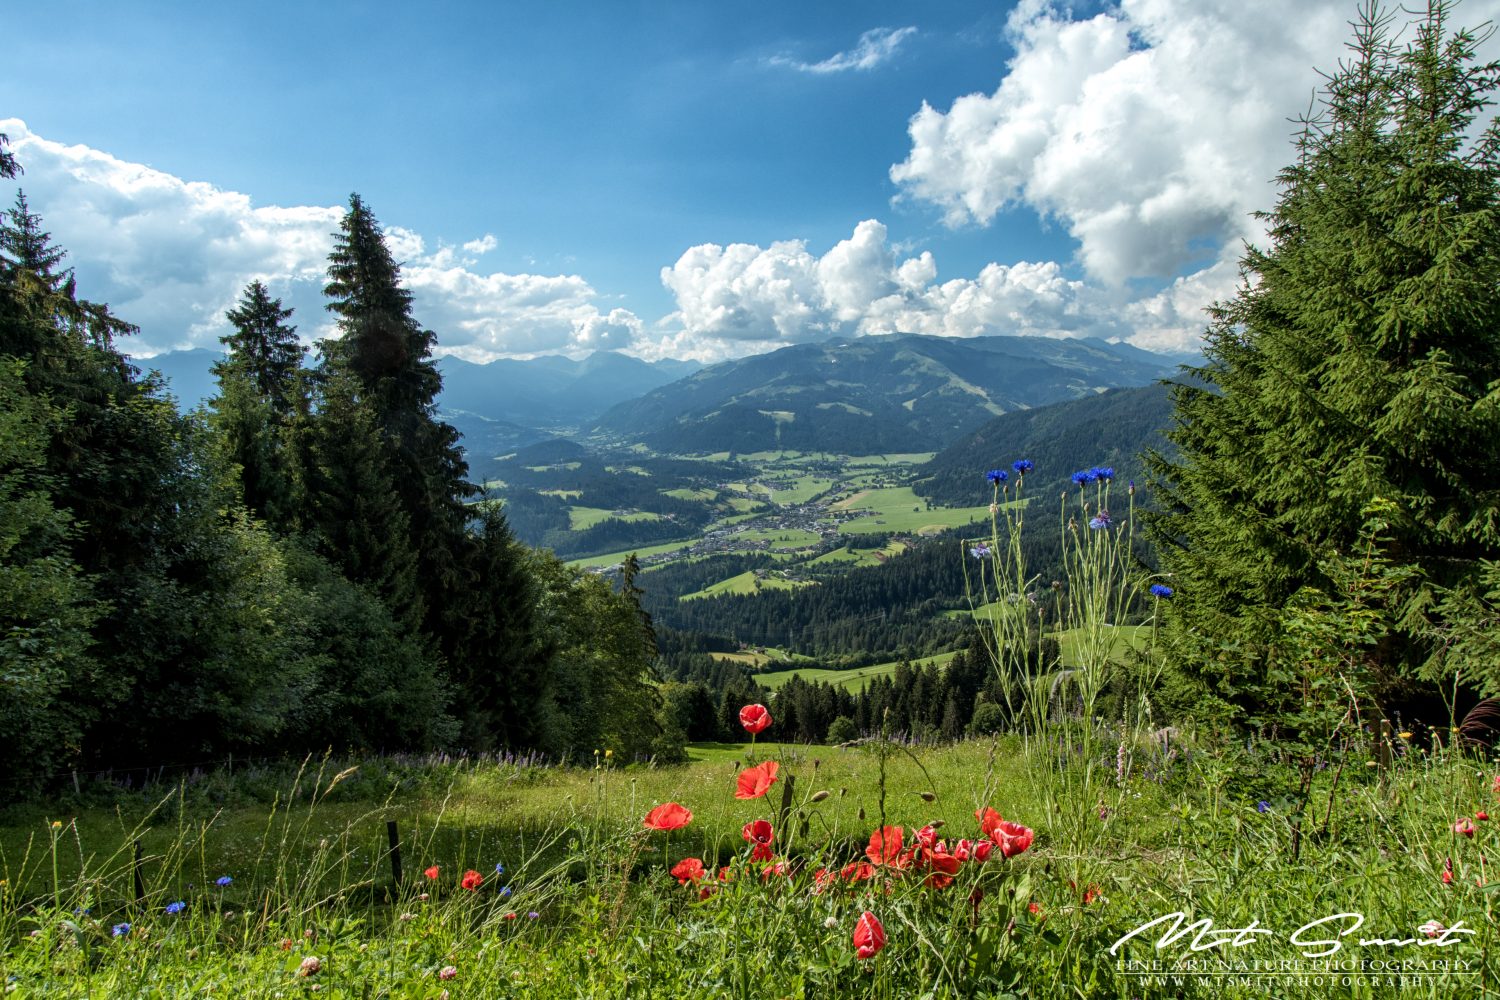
(803, 489)
(860, 557)
(582, 518)
(615, 558)
(691, 494)
(1115, 847)
(898, 509)
(746, 583)
(783, 538)
(852, 680)
(761, 657)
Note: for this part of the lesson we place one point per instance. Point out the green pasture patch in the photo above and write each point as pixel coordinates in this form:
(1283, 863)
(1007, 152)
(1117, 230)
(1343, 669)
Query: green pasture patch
(583, 518)
(615, 558)
(691, 494)
(803, 489)
(860, 557)
(564, 494)
(906, 458)
(748, 582)
(898, 509)
(852, 680)
(555, 467)
(782, 538)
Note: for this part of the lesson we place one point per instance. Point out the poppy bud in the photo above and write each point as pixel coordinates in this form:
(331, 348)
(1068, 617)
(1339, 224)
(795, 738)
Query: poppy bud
(928, 796)
(820, 796)
(861, 814)
(938, 824)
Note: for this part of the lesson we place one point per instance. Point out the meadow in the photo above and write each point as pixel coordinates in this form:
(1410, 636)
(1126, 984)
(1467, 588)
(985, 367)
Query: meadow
(525, 880)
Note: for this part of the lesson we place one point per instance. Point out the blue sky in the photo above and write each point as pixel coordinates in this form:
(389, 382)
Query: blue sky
(670, 178)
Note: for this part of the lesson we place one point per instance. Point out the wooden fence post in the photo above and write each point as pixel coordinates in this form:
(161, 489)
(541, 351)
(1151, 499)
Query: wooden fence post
(395, 839)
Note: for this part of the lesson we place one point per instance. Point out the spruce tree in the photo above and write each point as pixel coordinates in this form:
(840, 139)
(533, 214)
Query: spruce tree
(388, 355)
(265, 347)
(1351, 383)
(476, 597)
(8, 165)
(261, 392)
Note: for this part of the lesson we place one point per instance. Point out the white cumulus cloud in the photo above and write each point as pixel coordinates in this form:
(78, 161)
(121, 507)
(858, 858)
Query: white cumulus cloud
(876, 46)
(172, 255)
(1151, 131)
(743, 297)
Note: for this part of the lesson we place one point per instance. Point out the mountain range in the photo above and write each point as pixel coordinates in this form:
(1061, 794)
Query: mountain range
(862, 395)
(866, 395)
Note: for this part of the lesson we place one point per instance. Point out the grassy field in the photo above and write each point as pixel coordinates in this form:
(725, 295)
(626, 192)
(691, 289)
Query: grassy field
(898, 509)
(615, 558)
(767, 656)
(850, 680)
(747, 582)
(266, 884)
(783, 538)
(582, 518)
(860, 557)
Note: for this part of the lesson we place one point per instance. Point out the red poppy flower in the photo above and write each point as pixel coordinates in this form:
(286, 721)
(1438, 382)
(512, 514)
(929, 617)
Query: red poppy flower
(668, 816)
(762, 836)
(688, 870)
(1464, 826)
(982, 850)
(1033, 909)
(869, 935)
(432, 873)
(756, 781)
(885, 847)
(471, 880)
(1011, 838)
(1092, 893)
(778, 868)
(754, 718)
(988, 820)
(1481, 815)
(857, 871)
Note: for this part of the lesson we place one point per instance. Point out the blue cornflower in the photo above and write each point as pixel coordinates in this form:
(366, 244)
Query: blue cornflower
(1023, 466)
(532, 915)
(176, 907)
(1103, 472)
(1160, 590)
(499, 869)
(222, 881)
(1262, 806)
(505, 892)
(1086, 476)
(1100, 521)
(120, 930)
(980, 551)
(996, 476)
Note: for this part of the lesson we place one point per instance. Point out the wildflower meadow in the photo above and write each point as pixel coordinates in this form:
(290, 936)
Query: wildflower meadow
(1085, 851)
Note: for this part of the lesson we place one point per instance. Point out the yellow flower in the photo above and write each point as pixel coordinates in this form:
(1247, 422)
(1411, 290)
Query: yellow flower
(57, 824)
(1404, 735)
(609, 753)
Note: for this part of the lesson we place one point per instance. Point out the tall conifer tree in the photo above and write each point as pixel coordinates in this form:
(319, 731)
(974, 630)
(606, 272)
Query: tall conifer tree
(1360, 360)
(261, 390)
(477, 599)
